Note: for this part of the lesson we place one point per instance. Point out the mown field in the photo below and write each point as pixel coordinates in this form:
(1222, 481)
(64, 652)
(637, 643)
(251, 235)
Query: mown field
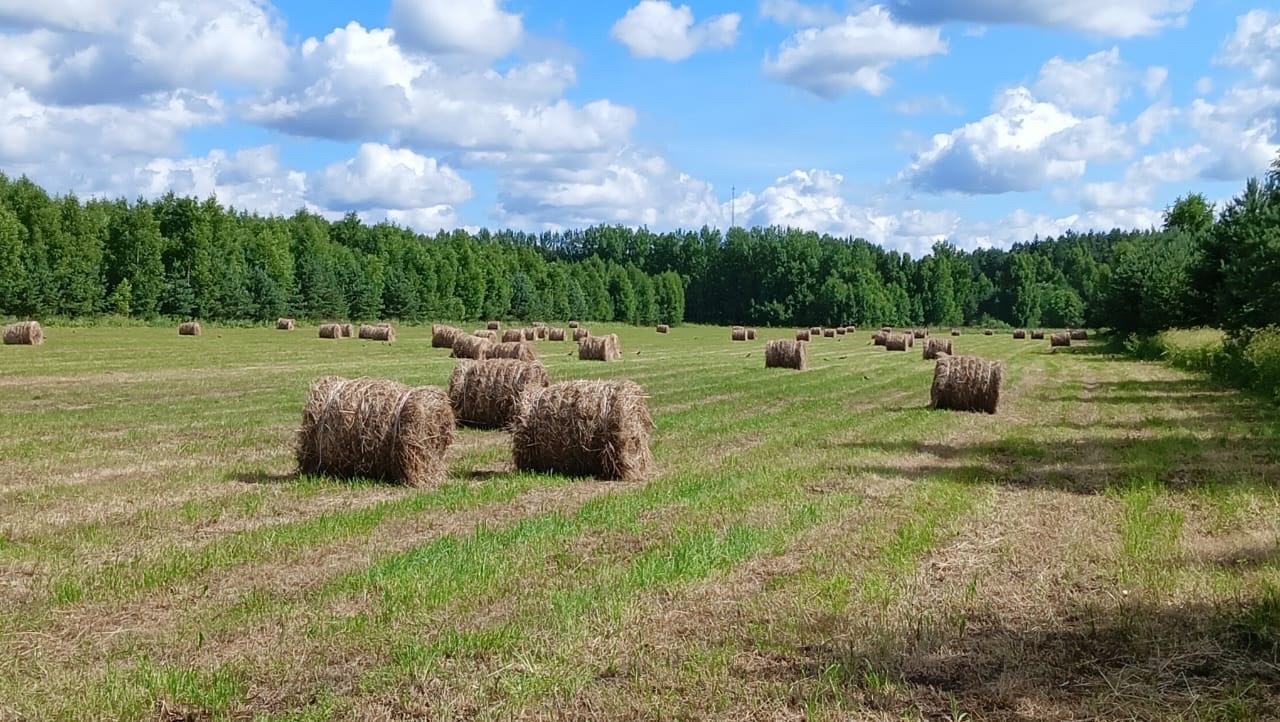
(819, 545)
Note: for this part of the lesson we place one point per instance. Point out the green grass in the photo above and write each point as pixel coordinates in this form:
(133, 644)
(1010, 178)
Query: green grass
(817, 544)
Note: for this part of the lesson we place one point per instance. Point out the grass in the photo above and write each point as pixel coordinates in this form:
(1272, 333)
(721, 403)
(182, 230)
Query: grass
(819, 545)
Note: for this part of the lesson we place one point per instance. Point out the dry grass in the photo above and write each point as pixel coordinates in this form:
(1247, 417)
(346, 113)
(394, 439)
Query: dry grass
(486, 394)
(330, 330)
(377, 332)
(585, 428)
(599, 348)
(966, 383)
(784, 354)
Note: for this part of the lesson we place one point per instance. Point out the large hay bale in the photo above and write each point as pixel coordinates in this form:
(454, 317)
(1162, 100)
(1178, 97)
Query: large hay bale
(379, 332)
(599, 348)
(934, 347)
(556, 334)
(530, 334)
(348, 330)
(472, 347)
(898, 342)
(519, 350)
(486, 394)
(190, 328)
(664, 328)
(512, 335)
(585, 428)
(880, 338)
(574, 324)
(580, 333)
(784, 354)
(751, 334)
(1037, 335)
(330, 330)
(920, 333)
(803, 335)
(494, 326)
(443, 335)
(24, 333)
(1060, 339)
(376, 429)
(739, 334)
(966, 383)
(486, 334)
(285, 324)
(1079, 335)
(1020, 334)
(828, 333)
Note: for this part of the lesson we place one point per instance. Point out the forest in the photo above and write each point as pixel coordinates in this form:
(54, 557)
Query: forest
(182, 257)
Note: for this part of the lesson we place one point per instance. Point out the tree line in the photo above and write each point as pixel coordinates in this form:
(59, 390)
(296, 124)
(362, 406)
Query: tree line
(186, 257)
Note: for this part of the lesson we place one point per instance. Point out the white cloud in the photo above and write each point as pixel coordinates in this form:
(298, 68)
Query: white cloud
(478, 28)
(657, 29)
(1143, 179)
(852, 54)
(928, 105)
(1100, 17)
(1152, 122)
(1021, 225)
(1242, 131)
(1154, 80)
(1095, 84)
(1255, 45)
(1204, 86)
(798, 14)
(389, 178)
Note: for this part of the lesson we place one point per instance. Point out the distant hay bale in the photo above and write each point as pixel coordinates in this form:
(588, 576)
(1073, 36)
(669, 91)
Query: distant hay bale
(784, 354)
(494, 326)
(330, 330)
(911, 340)
(898, 342)
(518, 350)
(376, 429)
(599, 348)
(486, 394)
(739, 334)
(934, 347)
(988, 332)
(955, 332)
(886, 329)
(539, 324)
(472, 347)
(803, 335)
(851, 329)
(190, 328)
(556, 334)
(751, 334)
(285, 324)
(380, 332)
(829, 333)
(585, 428)
(1079, 335)
(580, 333)
(816, 331)
(512, 335)
(348, 330)
(574, 324)
(486, 334)
(443, 335)
(540, 332)
(920, 333)
(664, 328)
(966, 383)
(530, 334)
(842, 331)
(1037, 335)
(1060, 339)
(1020, 334)
(24, 333)
(880, 338)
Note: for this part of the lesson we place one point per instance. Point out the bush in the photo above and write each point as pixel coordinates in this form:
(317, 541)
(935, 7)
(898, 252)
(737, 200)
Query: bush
(1262, 355)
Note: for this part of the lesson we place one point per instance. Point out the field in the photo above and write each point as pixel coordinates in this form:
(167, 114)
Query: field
(819, 545)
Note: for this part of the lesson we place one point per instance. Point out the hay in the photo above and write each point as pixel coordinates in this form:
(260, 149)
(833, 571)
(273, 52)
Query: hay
(380, 332)
(739, 334)
(988, 332)
(1037, 335)
(573, 324)
(842, 331)
(966, 383)
(802, 335)
(580, 333)
(921, 333)
(348, 330)
(539, 324)
(284, 324)
(816, 331)
(880, 338)
(1060, 339)
(934, 347)
(330, 330)
(531, 334)
(486, 334)
(512, 335)
(784, 354)
(1079, 335)
(494, 326)
(519, 350)
(599, 348)
(898, 342)
(443, 335)
(190, 328)
(955, 332)
(886, 329)
(751, 334)
(540, 333)
(486, 394)
(556, 334)
(829, 333)
(1020, 334)
(664, 328)
(472, 347)
(376, 429)
(24, 333)
(585, 428)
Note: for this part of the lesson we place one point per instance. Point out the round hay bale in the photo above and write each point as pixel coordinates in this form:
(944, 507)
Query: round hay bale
(539, 324)
(664, 328)
(966, 383)
(955, 332)
(739, 334)
(785, 354)
(531, 334)
(585, 428)
(376, 429)
(815, 332)
(898, 342)
(519, 350)
(512, 335)
(574, 324)
(599, 348)
(1020, 334)
(886, 329)
(494, 326)
(1079, 335)
(348, 330)
(379, 332)
(580, 333)
(330, 330)
(880, 338)
(934, 347)
(284, 324)
(1060, 339)
(829, 333)
(472, 347)
(842, 331)
(802, 335)
(556, 334)
(486, 334)
(920, 333)
(751, 334)
(486, 394)
(190, 328)
(1037, 335)
(540, 332)
(988, 332)
(443, 335)
(24, 333)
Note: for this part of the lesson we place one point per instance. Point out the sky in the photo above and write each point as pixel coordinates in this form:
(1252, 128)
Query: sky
(976, 122)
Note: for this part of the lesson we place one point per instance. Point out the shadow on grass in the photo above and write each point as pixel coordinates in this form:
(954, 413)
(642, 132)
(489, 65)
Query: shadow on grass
(263, 477)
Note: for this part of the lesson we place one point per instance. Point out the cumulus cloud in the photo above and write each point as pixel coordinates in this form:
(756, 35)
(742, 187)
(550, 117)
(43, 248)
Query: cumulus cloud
(1100, 17)
(1095, 84)
(1255, 45)
(852, 54)
(391, 178)
(479, 28)
(658, 29)
(798, 14)
(1241, 129)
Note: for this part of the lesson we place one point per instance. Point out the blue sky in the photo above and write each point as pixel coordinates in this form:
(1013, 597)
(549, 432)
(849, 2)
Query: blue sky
(978, 122)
